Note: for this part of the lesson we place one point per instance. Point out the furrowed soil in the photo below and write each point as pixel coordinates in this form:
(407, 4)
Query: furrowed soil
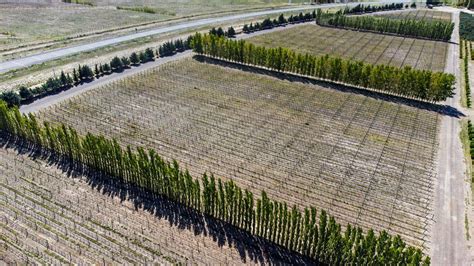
(365, 46)
(367, 159)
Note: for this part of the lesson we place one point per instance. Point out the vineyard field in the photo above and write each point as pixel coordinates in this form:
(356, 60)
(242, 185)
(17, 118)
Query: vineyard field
(368, 161)
(418, 14)
(365, 46)
(50, 217)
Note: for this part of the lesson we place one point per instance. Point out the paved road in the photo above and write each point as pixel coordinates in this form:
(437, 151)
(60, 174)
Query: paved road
(449, 245)
(55, 54)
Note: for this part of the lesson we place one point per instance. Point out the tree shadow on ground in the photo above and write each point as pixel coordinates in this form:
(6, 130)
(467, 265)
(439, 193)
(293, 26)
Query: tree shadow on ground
(438, 108)
(252, 249)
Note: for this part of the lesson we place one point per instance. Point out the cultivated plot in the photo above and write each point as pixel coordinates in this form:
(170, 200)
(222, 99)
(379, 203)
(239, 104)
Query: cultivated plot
(369, 47)
(418, 14)
(51, 218)
(368, 161)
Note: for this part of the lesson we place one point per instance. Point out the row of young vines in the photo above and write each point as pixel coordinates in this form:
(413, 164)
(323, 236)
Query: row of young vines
(435, 30)
(320, 238)
(408, 82)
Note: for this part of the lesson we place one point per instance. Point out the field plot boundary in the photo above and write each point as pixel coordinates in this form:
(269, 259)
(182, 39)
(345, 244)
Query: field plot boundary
(375, 94)
(250, 246)
(405, 13)
(381, 33)
(292, 39)
(303, 125)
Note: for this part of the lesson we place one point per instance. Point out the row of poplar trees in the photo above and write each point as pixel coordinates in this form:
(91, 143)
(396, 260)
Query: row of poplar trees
(430, 29)
(319, 237)
(420, 84)
(85, 73)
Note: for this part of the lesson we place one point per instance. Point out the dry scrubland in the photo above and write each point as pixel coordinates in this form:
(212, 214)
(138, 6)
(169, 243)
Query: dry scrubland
(367, 160)
(189, 7)
(48, 217)
(369, 47)
(28, 25)
(419, 14)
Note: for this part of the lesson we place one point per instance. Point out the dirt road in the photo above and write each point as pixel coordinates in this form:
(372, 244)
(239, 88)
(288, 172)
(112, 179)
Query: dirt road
(449, 245)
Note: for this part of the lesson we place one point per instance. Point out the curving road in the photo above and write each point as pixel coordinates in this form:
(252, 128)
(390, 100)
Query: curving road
(55, 54)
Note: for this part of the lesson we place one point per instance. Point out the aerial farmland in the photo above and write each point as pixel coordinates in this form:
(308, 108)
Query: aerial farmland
(319, 133)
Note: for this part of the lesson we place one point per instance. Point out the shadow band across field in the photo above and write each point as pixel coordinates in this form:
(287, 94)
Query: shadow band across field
(438, 108)
(251, 248)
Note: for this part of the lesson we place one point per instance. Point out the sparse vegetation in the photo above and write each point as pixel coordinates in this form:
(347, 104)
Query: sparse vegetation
(146, 9)
(35, 26)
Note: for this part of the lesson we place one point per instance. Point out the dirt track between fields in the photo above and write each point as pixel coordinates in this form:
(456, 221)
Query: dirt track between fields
(449, 236)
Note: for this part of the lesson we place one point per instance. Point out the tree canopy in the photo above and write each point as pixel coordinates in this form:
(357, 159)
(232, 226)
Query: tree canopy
(408, 82)
(435, 30)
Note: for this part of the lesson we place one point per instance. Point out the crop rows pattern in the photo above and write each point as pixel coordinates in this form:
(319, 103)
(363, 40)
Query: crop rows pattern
(421, 14)
(369, 47)
(368, 162)
(50, 218)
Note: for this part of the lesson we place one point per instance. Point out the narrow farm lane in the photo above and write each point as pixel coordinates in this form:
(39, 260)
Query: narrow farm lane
(449, 237)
